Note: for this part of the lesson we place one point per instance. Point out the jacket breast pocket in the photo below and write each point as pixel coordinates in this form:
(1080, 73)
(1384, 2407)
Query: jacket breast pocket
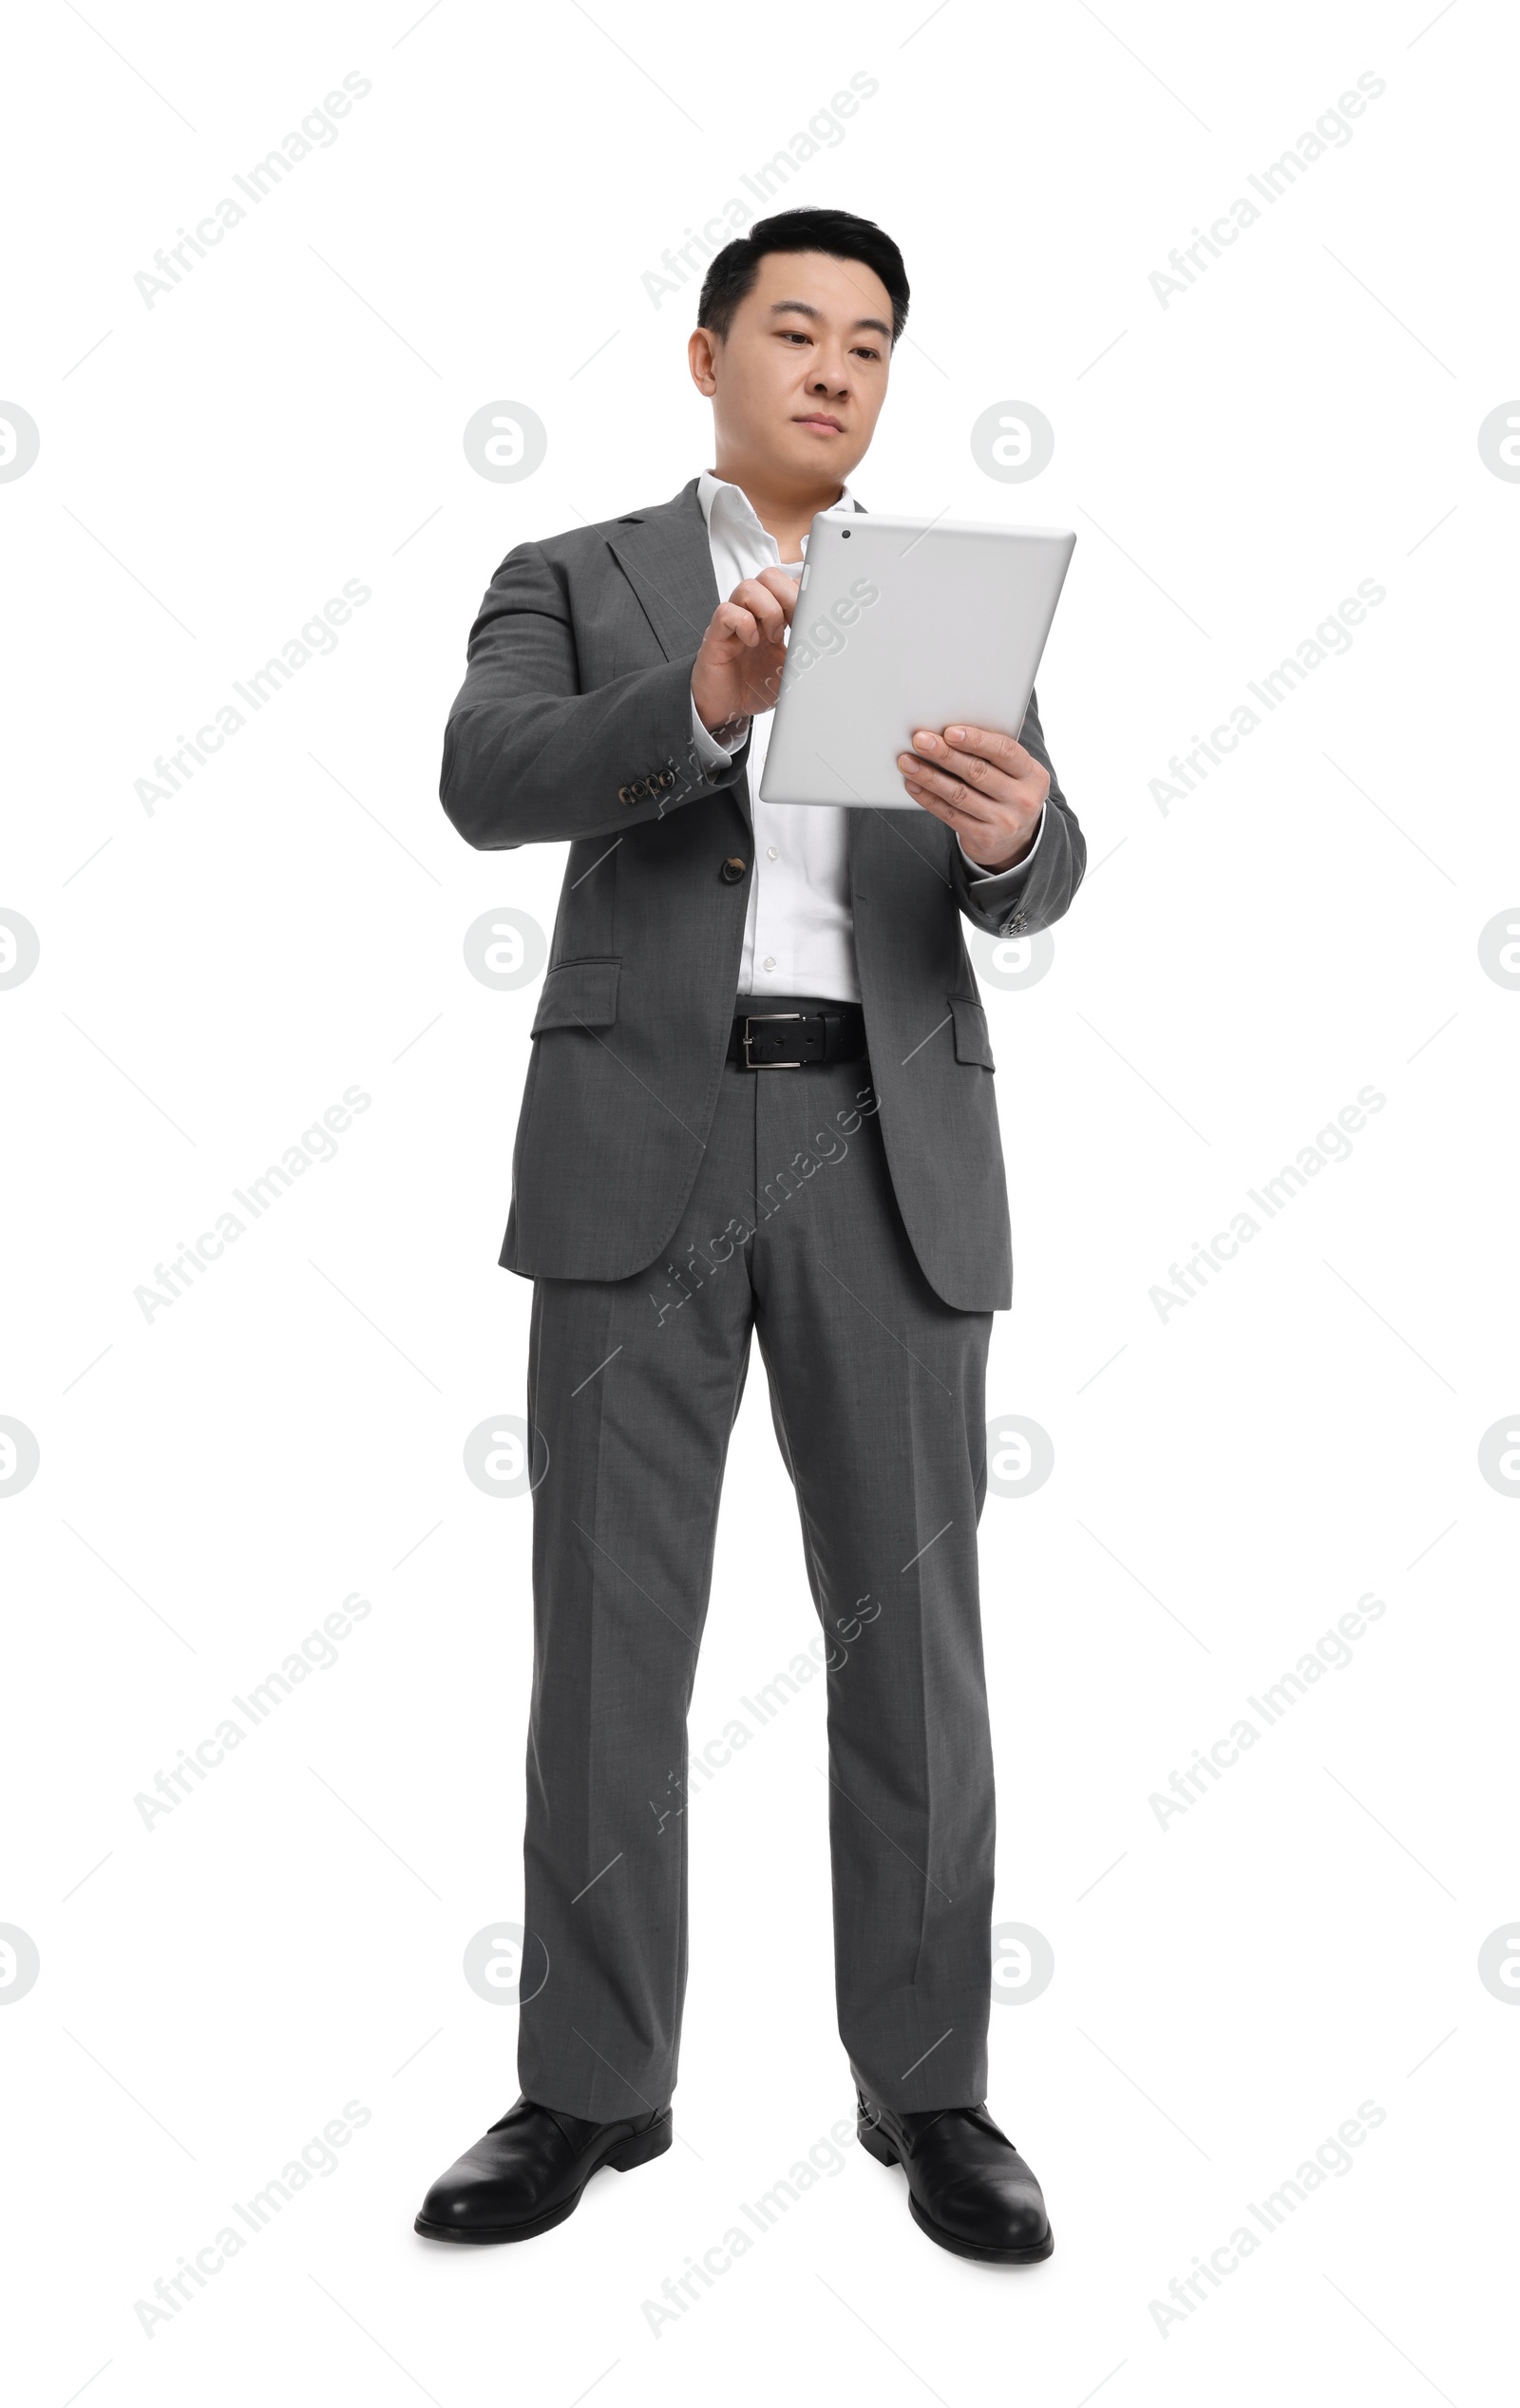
(578, 994)
(972, 1043)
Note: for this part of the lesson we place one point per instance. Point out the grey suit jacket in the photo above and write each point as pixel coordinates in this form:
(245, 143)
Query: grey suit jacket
(574, 723)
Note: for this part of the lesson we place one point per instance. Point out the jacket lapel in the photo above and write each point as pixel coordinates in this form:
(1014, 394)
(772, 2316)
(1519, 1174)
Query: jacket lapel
(664, 555)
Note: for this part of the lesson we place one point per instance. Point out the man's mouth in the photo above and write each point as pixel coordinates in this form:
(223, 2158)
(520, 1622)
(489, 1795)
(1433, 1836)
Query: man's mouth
(821, 418)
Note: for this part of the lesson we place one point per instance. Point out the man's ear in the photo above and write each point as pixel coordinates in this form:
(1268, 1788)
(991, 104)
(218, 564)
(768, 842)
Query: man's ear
(701, 356)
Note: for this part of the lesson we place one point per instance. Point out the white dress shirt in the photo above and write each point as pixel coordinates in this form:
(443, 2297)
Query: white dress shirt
(799, 933)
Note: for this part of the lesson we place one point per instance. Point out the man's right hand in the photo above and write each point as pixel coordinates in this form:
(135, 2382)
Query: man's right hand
(738, 669)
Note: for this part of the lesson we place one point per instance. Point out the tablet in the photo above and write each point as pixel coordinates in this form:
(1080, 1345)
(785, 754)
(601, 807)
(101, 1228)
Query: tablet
(905, 623)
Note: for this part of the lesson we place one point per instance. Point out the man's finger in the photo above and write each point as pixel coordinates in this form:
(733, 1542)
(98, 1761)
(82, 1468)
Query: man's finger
(1005, 753)
(1003, 781)
(1000, 777)
(943, 782)
(784, 588)
(733, 620)
(957, 806)
(759, 613)
(772, 609)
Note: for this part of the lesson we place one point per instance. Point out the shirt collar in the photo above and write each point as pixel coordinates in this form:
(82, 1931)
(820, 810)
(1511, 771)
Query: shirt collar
(731, 501)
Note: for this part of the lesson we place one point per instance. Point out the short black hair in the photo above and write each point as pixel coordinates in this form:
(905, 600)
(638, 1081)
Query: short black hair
(835, 231)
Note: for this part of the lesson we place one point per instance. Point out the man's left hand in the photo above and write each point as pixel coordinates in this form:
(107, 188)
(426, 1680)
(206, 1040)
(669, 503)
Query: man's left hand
(985, 786)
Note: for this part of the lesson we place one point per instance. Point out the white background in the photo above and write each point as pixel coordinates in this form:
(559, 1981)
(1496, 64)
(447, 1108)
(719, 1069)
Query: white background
(1227, 1482)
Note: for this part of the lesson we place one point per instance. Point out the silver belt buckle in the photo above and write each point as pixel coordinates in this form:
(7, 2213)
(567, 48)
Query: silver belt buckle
(750, 1019)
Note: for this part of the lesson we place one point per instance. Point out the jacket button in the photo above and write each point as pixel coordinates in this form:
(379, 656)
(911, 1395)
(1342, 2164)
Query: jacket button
(733, 869)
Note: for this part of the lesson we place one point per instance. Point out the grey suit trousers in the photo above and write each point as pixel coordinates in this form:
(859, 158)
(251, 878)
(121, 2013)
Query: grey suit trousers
(876, 1390)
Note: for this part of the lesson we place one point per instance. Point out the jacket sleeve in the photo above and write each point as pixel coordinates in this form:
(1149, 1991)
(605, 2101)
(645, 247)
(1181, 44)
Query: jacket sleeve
(530, 759)
(1022, 901)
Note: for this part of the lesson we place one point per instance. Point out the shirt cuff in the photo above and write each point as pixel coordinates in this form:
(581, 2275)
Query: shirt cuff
(980, 878)
(712, 755)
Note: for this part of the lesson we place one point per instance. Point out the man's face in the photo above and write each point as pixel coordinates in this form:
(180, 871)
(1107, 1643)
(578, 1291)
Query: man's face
(799, 382)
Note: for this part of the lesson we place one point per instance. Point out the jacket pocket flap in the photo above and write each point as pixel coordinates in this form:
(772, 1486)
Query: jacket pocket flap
(578, 994)
(972, 1043)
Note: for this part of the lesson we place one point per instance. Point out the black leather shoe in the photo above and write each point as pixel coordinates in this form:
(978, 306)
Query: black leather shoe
(527, 2173)
(968, 2187)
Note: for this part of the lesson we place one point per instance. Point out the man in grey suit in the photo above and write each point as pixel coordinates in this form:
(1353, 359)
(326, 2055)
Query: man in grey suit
(761, 1099)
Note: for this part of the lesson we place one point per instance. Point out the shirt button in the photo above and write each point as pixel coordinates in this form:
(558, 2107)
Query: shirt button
(770, 962)
(772, 853)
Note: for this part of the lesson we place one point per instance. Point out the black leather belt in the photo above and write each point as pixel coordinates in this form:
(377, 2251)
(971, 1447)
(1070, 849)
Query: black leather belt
(788, 1040)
